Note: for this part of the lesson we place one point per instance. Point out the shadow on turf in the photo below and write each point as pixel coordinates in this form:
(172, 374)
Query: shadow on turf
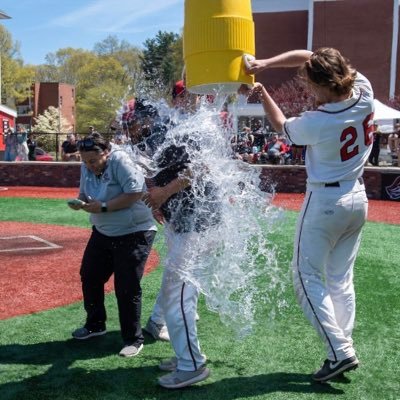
(122, 378)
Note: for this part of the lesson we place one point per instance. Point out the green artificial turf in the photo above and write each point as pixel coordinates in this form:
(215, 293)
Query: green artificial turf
(39, 360)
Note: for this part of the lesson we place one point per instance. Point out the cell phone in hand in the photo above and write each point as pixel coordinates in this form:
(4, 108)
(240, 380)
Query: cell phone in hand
(76, 202)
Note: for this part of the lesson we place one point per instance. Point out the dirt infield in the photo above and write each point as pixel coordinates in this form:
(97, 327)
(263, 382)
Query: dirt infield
(39, 264)
(35, 275)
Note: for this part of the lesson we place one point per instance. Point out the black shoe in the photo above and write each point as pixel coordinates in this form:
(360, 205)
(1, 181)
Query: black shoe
(86, 333)
(331, 369)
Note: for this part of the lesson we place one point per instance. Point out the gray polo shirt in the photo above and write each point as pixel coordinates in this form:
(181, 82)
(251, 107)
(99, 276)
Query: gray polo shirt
(120, 176)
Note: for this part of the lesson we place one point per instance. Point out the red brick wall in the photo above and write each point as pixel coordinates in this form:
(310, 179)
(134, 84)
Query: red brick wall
(276, 33)
(362, 31)
(50, 94)
(292, 179)
(33, 173)
(46, 94)
(286, 179)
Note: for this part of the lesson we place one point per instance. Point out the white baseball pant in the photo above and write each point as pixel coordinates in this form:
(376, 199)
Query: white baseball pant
(177, 300)
(327, 239)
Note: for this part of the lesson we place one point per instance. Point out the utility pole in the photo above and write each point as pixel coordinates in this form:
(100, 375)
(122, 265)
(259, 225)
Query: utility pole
(59, 122)
(3, 15)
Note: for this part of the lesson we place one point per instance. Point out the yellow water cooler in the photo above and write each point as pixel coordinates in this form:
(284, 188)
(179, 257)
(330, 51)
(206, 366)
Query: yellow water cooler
(217, 34)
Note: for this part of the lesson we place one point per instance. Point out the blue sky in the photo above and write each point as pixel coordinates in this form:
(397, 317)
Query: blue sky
(44, 26)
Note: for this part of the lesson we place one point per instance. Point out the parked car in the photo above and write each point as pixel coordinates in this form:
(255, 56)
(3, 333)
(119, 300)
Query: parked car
(41, 155)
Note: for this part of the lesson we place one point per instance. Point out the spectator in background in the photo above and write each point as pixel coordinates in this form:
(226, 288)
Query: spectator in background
(297, 154)
(226, 119)
(276, 150)
(22, 146)
(31, 142)
(69, 149)
(398, 156)
(393, 140)
(243, 143)
(259, 136)
(10, 142)
(376, 148)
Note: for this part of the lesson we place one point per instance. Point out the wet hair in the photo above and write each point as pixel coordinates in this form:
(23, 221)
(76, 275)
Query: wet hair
(144, 109)
(94, 142)
(328, 68)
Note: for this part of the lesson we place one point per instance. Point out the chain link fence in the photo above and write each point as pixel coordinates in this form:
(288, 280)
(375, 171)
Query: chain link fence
(49, 144)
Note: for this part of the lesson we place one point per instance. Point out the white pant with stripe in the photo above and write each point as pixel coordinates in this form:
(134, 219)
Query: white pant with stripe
(177, 300)
(326, 244)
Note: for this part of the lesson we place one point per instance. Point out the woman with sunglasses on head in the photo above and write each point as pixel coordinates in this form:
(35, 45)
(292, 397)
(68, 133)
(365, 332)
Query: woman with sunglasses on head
(338, 136)
(111, 190)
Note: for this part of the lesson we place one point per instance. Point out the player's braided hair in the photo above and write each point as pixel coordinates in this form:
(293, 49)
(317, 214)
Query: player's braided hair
(328, 68)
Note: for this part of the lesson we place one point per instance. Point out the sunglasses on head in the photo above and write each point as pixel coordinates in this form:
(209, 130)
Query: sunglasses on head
(87, 144)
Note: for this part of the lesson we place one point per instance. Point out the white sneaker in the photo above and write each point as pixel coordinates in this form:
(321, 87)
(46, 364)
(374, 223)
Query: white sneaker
(157, 331)
(131, 350)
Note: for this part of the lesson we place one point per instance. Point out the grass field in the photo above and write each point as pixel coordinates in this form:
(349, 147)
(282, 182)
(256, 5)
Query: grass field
(39, 360)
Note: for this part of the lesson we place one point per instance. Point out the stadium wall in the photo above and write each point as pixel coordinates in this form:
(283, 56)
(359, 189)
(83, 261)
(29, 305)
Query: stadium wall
(284, 178)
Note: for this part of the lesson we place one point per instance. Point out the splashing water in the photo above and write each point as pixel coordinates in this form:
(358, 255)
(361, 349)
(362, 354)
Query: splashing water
(233, 263)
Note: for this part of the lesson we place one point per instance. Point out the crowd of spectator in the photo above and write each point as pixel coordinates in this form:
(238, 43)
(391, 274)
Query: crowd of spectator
(385, 147)
(253, 143)
(257, 145)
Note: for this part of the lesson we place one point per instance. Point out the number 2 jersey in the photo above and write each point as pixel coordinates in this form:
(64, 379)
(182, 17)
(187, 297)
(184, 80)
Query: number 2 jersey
(338, 135)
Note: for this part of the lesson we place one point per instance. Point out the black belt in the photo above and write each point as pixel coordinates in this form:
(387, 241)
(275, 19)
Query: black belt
(337, 184)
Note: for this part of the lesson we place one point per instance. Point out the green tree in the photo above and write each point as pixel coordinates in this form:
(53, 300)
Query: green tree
(64, 65)
(97, 70)
(160, 58)
(101, 78)
(177, 59)
(127, 55)
(15, 77)
(100, 105)
(111, 45)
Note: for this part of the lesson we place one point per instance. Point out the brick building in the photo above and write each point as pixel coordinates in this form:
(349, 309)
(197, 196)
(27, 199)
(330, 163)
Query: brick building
(44, 95)
(7, 120)
(365, 31)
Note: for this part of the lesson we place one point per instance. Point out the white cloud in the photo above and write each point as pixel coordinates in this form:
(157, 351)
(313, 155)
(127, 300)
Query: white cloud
(116, 15)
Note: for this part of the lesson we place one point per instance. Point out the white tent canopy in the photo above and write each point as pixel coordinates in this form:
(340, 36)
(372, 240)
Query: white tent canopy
(384, 115)
(384, 112)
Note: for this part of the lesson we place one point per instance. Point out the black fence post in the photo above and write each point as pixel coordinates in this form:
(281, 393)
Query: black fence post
(57, 145)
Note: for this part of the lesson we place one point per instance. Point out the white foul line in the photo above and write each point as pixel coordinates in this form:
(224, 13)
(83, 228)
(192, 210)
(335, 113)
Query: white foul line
(49, 244)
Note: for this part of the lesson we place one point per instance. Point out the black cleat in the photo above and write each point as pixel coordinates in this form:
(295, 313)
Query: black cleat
(85, 333)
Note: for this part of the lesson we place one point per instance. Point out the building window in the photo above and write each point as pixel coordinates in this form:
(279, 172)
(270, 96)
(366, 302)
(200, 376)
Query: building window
(23, 110)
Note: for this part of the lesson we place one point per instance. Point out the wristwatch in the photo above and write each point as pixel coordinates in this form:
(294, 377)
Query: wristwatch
(104, 207)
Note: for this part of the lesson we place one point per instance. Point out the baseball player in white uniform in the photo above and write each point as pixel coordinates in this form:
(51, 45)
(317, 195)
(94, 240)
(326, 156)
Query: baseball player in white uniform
(189, 214)
(338, 136)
